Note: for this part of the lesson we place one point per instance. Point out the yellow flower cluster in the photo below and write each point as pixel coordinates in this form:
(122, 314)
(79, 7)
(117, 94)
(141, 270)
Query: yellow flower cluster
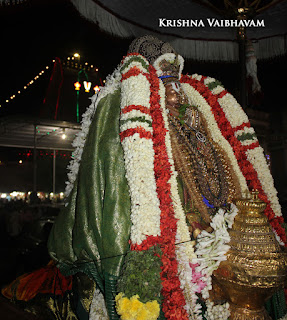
(133, 309)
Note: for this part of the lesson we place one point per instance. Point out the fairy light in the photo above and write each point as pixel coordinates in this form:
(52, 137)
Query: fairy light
(77, 85)
(77, 56)
(64, 134)
(28, 84)
(87, 86)
(97, 89)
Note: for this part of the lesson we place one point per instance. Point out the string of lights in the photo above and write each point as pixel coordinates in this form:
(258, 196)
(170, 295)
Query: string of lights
(11, 2)
(42, 154)
(71, 62)
(26, 86)
(74, 62)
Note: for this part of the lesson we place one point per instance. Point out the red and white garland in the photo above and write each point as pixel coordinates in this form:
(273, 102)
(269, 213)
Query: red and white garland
(146, 147)
(157, 214)
(228, 122)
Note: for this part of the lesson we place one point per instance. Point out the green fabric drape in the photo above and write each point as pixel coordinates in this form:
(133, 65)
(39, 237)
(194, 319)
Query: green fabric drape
(91, 234)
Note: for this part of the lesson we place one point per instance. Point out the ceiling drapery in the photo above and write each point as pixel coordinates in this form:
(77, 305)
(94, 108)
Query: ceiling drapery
(133, 18)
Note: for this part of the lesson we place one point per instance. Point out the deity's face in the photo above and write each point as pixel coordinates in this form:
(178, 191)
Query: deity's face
(172, 95)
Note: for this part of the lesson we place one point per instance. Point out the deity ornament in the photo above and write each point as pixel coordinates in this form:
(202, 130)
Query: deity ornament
(256, 265)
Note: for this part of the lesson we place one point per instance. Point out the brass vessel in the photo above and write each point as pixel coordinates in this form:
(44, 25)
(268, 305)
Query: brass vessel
(256, 265)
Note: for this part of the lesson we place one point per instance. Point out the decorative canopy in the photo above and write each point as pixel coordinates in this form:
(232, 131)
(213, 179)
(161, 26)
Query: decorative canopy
(201, 38)
(34, 133)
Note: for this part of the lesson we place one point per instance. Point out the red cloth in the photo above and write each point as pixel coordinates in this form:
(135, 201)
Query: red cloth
(47, 280)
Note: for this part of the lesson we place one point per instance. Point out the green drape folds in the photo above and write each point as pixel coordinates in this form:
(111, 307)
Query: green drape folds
(91, 234)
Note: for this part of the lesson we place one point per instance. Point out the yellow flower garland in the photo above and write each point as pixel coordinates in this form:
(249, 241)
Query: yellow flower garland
(133, 309)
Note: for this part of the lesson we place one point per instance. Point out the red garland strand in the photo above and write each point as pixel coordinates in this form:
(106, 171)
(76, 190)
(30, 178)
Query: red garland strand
(134, 71)
(246, 167)
(130, 54)
(242, 126)
(173, 298)
(135, 107)
(173, 302)
(141, 131)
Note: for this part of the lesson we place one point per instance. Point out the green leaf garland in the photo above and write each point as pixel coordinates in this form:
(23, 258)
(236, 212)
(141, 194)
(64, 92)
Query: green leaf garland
(141, 275)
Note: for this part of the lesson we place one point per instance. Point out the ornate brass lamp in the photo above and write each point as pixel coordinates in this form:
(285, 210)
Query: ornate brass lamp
(256, 265)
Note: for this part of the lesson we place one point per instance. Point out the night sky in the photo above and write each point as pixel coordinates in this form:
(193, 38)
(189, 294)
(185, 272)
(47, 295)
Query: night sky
(34, 33)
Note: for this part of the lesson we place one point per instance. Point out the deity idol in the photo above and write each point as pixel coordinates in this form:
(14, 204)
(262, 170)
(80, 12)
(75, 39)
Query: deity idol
(159, 161)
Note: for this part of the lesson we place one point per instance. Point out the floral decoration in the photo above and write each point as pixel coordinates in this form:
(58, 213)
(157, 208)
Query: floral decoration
(157, 215)
(152, 196)
(230, 119)
(133, 309)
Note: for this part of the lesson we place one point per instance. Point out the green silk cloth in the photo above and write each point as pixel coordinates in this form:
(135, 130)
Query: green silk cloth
(91, 234)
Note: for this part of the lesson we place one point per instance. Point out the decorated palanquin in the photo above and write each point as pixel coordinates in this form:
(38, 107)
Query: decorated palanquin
(156, 170)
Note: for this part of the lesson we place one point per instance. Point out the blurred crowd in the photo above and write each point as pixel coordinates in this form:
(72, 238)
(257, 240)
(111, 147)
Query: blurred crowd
(24, 231)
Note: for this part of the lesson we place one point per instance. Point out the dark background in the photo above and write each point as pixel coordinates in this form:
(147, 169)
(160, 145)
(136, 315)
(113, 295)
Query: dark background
(34, 33)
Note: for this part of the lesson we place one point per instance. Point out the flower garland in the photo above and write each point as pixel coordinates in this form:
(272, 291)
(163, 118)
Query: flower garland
(140, 281)
(184, 248)
(157, 215)
(173, 298)
(136, 310)
(136, 138)
(210, 250)
(231, 119)
(197, 99)
(148, 172)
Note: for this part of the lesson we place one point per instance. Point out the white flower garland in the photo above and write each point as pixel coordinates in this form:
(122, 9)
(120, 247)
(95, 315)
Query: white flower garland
(134, 63)
(233, 111)
(236, 116)
(139, 158)
(112, 84)
(218, 240)
(196, 99)
(258, 160)
(246, 131)
(211, 249)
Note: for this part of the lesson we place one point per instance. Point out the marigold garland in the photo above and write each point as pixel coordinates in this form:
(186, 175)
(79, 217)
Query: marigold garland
(133, 309)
